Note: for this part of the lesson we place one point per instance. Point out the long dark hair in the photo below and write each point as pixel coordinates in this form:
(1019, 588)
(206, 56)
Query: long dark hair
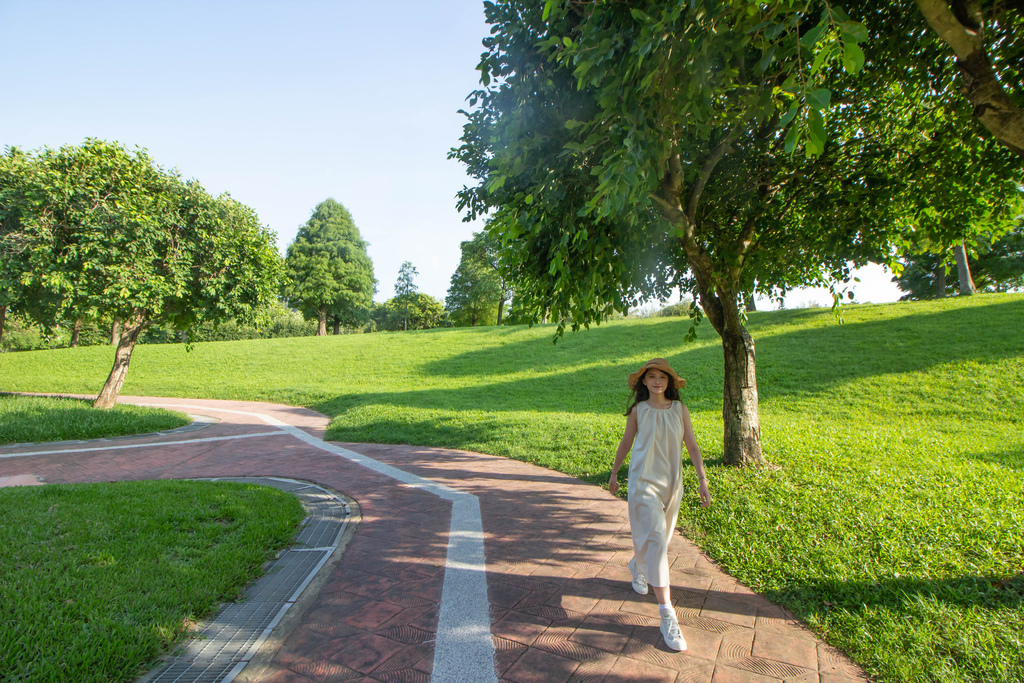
(640, 391)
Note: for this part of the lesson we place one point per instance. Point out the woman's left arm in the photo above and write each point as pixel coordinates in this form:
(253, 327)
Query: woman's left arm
(690, 440)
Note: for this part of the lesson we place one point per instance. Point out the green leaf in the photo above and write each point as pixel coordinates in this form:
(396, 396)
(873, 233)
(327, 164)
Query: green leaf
(496, 184)
(811, 38)
(854, 30)
(528, 199)
(815, 133)
(853, 58)
(547, 9)
(792, 136)
(819, 98)
(762, 65)
(823, 55)
(788, 116)
(567, 41)
(639, 15)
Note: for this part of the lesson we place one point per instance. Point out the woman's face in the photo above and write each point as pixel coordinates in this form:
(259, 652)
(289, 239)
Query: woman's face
(656, 381)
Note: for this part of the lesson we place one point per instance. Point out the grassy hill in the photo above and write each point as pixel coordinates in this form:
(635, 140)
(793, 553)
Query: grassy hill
(893, 526)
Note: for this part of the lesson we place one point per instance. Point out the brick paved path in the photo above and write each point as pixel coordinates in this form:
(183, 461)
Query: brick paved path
(561, 605)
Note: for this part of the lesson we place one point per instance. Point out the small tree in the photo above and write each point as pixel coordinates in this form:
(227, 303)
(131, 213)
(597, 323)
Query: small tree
(330, 274)
(405, 289)
(114, 236)
(417, 311)
(478, 292)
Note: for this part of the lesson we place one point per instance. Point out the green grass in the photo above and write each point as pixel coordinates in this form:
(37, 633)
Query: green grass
(893, 528)
(99, 580)
(26, 419)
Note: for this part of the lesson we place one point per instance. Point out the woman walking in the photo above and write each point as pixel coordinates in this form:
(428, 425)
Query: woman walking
(657, 428)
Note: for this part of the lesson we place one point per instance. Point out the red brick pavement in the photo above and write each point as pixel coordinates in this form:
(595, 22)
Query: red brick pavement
(562, 608)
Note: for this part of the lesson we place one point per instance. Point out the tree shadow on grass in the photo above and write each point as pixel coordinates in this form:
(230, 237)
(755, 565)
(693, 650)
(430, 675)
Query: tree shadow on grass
(819, 598)
(806, 360)
(803, 362)
(593, 389)
(1008, 458)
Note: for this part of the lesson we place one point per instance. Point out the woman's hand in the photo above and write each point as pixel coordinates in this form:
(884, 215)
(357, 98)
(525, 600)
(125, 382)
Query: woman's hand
(705, 495)
(613, 483)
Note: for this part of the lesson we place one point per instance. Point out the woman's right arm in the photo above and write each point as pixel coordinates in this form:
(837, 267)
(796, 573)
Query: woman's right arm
(623, 450)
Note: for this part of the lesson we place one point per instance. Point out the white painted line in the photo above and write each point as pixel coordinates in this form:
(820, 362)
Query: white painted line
(138, 445)
(464, 650)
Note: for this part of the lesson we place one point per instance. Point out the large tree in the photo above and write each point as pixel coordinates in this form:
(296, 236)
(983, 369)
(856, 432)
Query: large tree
(106, 233)
(627, 148)
(330, 274)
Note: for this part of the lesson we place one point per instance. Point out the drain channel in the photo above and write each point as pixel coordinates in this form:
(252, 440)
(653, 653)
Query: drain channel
(229, 640)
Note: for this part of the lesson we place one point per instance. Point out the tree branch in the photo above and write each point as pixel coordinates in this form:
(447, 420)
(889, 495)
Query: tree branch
(709, 167)
(992, 106)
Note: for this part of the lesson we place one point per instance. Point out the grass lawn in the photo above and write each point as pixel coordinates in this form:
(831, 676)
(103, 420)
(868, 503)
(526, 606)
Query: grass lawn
(894, 527)
(99, 580)
(38, 418)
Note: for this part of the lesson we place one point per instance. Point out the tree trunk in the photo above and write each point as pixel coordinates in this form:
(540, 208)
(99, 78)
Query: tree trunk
(405, 324)
(748, 300)
(992, 105)
(3, 321)
(115, 333)
(321, 329)
(940, 280)
(963, 269)
(742, 442)
(501, 309)
(122, 356)
(337, 327)
(75, 332)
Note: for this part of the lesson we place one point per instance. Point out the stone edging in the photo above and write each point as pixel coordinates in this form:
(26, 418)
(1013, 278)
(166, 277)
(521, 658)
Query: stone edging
(240, 641)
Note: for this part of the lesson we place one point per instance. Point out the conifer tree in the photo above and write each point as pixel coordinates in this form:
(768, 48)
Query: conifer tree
(330, 272)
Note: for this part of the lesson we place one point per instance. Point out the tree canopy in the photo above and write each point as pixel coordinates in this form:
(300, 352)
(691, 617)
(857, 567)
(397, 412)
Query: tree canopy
(415, 311)
(960, 188)
(987, 38)
(330, 274)
(97, 231)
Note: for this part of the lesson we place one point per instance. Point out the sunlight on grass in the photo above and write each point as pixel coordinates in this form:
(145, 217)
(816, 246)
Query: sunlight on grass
(26, 419)
(99, 580)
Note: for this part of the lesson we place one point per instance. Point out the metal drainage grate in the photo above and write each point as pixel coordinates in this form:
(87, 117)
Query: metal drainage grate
(228, 641)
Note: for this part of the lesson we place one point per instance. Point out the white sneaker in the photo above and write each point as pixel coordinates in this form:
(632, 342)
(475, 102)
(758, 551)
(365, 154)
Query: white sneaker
(639, 582)
(670, 631)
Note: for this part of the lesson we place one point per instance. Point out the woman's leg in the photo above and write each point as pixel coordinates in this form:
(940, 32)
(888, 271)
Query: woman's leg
(662, 593)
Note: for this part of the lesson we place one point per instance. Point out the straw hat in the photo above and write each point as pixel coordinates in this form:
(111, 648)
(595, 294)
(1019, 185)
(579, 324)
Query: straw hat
(657, 364)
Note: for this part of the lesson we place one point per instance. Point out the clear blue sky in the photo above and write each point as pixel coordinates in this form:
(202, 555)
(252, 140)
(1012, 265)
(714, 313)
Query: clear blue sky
(282, 104)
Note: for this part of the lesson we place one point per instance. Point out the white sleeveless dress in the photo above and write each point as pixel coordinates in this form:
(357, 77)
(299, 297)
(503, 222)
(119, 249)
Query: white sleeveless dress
(655, 487)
